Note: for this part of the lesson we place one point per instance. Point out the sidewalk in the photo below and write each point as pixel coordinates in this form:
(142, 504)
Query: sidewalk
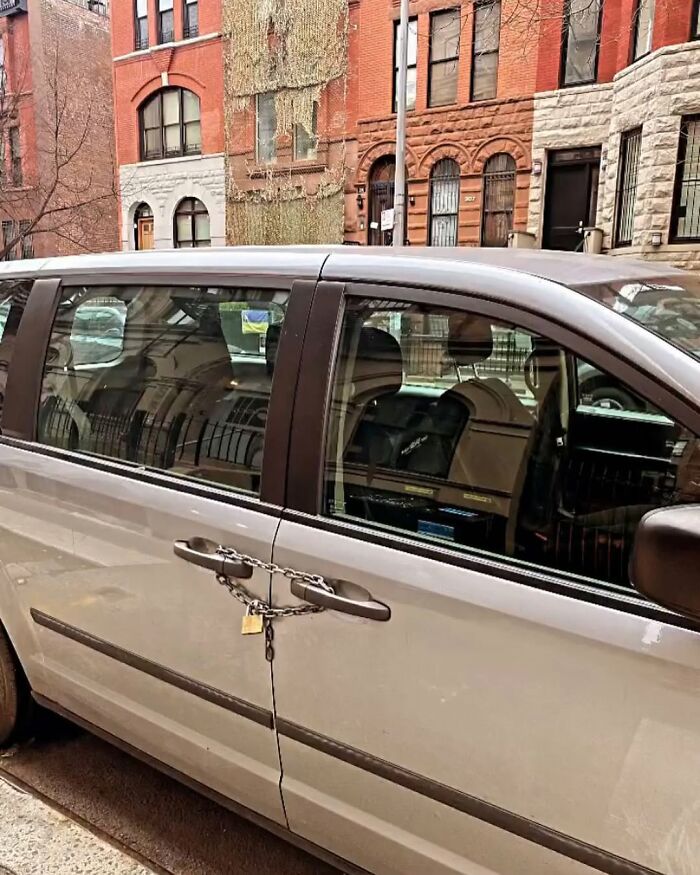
(35, 839)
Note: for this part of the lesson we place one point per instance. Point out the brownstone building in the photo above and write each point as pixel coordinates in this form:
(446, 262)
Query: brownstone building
(469, 126)
(57, 183)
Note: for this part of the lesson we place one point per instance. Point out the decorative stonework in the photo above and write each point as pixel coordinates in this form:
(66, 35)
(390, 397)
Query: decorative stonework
(163, 184)
(654, 93)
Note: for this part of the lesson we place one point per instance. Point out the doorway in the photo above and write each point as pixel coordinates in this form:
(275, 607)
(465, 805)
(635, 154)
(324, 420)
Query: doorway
(381, 197)
(571, 198)
(143, 227)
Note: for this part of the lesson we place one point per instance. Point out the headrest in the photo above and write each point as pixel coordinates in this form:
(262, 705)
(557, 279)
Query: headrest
(470, 339)
(378, 364)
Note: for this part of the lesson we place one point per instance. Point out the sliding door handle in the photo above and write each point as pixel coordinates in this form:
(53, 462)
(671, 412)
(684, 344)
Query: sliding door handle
(205, 554)
(366, 608)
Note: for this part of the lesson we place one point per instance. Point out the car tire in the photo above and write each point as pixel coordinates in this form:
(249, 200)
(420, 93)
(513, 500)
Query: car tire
(613, 398)
(16, 704)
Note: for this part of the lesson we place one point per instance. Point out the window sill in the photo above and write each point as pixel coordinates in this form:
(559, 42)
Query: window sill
(156, 162)
(260, 170)
(584, 84)
(176, 44)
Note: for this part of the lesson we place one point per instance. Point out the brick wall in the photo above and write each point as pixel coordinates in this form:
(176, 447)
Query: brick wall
(467, 132)
(67, 32)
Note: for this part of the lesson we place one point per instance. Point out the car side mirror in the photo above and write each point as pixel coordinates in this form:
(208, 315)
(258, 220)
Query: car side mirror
(665, 563)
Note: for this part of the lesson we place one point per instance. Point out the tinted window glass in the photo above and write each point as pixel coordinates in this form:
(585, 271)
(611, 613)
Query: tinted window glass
(452, 428)
(13, 297)
(166, 377)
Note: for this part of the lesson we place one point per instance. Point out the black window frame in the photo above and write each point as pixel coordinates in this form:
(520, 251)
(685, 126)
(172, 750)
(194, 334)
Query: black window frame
(166, 35)
(635, 31)
(454, 178)
(395, 65)
(695, 21)
(183, 151)
(566, 32)
(258, 152)
(496, 175)
(299, 132)
(141, 40)
(674, 236)
(432, 63)
(475, 54)
(626, 187)
(16, 168)
(190, 30)
(192, 214)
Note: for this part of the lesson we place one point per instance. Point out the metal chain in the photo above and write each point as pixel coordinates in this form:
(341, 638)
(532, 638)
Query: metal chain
(260, 608)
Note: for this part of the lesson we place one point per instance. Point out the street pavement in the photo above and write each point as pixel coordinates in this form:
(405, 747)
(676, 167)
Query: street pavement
(146, 821)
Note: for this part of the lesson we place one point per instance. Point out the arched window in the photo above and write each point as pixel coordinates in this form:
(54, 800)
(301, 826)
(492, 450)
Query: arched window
(143, 227)
(170, 124)
(192, 228)
(498, 200)
(444, 203)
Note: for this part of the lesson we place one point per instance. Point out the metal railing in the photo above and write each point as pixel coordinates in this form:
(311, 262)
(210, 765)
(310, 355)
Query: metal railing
(428, 356)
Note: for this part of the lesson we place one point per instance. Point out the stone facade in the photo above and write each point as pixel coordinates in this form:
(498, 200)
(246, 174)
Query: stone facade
(163, 185)
(653, 93)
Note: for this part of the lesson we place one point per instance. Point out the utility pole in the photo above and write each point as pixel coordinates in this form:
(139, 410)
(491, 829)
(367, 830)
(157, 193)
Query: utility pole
(400, 177)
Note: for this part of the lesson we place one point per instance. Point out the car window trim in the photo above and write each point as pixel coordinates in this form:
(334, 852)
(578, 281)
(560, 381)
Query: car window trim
(309, 430)
(23, 394)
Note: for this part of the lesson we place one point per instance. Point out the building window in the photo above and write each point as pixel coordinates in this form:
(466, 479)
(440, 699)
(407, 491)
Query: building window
(444, 203)
(412, 61)
(487, 38)
(166, 21)
(685, 216)
(643, 28)
(23, 244)
(266, 128)
(695, 23)
(99, 7)
(170, 125)
(192, 226)
(305, 143)
(443, 70)
(141, 29)
(17, 176)
(628, 175)
(498, 200)
(582, 21)
(191, 19)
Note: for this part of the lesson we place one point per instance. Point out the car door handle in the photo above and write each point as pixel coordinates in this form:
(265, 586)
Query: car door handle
(367, 608)
(205, 554)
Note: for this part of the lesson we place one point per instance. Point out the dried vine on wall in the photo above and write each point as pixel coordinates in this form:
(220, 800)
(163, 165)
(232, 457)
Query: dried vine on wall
(294, 49)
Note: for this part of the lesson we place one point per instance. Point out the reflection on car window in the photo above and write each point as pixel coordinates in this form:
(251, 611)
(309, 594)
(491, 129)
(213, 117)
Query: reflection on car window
(668, 306)
(449, 427)
(153, 376)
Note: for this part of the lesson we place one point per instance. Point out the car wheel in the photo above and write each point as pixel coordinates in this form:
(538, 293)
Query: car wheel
(16, 704)
(612, 398)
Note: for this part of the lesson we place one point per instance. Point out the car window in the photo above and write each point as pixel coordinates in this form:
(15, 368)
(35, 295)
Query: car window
(13, 298)
(147, 375)
(448, 427)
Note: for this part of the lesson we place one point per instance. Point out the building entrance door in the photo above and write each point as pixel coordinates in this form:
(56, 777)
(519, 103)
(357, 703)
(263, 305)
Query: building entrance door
(571, 197)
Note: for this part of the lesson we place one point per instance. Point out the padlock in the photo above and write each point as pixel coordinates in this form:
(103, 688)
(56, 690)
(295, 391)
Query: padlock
(252, 623)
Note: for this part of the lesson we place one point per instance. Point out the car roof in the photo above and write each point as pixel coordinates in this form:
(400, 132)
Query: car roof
(575, 270)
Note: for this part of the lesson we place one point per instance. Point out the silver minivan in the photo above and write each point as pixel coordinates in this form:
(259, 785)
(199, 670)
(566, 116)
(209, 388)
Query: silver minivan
(393, 552)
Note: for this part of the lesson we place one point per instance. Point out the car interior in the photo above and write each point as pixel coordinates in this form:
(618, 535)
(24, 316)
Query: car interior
(507, 462)
(174, 395)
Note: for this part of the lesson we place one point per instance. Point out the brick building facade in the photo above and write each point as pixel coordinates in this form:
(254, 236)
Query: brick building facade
(63, 199)
(516, 123)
